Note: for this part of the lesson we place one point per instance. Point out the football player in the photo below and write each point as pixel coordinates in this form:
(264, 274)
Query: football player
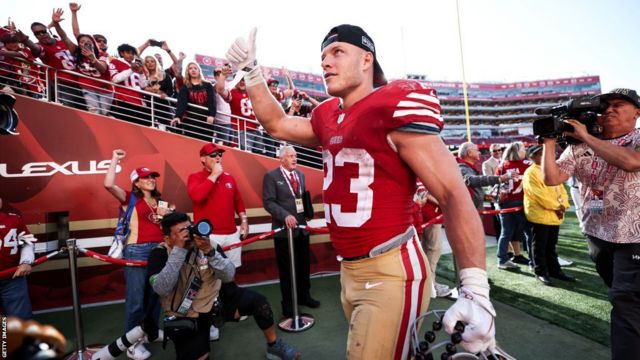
(376, 137)
(16, 250)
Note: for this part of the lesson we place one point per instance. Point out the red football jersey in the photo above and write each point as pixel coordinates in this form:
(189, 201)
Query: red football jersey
(125, 92)
(10, 226)
(87, 69)
(28, 74)
(368, 189)
(512, 190)
(241, 106)
(58, 56)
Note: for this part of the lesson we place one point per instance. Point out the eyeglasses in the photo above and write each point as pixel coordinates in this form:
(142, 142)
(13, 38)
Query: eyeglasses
(216, 154)
(40, 32)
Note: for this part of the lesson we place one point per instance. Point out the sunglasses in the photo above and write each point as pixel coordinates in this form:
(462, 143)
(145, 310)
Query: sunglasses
(216, 154)
(496, 151)
(38, 33)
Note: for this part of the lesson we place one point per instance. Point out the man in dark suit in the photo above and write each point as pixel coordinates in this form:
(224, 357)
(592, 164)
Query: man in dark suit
(282, 190)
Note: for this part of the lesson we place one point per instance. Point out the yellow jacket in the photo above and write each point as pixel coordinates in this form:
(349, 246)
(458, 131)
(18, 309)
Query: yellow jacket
(540, 200)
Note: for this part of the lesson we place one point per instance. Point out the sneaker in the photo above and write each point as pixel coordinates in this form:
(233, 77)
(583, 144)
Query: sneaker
(145, 338)
(138, 352)
(564, 262)
(519, 259)
(214, 333)
(508, 265)
(282, 351)
(442, 290)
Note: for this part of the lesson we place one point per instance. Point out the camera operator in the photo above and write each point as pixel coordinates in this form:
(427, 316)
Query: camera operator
(608, 172)
(186, 272)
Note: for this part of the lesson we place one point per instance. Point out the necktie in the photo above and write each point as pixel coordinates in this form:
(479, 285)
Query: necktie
(294, 183)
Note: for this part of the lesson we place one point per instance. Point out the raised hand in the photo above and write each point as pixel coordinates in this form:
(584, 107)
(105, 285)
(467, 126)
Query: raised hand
(242, 53)
(118, 154)
(56, 16)
(74, 7)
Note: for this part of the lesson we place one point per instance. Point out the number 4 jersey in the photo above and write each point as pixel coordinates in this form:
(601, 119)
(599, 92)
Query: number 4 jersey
(10, 226)
(368, 189)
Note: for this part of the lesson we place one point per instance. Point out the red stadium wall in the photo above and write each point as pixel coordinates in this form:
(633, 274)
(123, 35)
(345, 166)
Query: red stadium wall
(57, 164)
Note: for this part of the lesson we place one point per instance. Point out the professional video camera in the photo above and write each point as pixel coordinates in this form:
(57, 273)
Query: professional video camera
(202, 228)
(585, 110)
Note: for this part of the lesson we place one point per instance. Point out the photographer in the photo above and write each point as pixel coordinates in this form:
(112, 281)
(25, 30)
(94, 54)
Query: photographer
(186, 272)
(607, 170)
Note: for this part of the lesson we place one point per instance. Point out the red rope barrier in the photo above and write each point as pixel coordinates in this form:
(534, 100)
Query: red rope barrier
(111, 260)
(501, 211)
(9, 272)
(251, 239)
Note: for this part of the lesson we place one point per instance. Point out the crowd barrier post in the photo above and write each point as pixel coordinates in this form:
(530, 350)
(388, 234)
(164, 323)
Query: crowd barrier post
(80, 353)
(299, 322)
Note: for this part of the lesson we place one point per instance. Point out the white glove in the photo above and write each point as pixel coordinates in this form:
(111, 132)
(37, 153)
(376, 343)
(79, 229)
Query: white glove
(474, 309)
(242, 53)
(26, 239)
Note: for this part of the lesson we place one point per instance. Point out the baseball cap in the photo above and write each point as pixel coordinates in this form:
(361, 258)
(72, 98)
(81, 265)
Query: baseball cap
(273, 81)
(142, 172)
(208, 148)
(532, 150)
(9, 37)
(624, 94)
(354, 35)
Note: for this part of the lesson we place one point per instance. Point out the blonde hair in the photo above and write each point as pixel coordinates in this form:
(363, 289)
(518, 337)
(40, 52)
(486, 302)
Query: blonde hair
(187, 78)
(159, 74)
(512, 152)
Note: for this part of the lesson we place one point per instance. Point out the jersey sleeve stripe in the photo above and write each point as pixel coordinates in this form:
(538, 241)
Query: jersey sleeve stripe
(424, 97)
(420, 127)
(422, 112)
(408, 104)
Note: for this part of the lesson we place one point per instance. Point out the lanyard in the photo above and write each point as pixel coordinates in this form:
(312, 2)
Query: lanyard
(286, 178)
(595, 164)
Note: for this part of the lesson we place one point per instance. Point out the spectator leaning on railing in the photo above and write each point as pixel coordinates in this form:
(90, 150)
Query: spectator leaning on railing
(223, 127)
(128, 73)
(17, 67)
(238, 99)
(197, 123)
(608, 171)
(97, 95)
(55, 53)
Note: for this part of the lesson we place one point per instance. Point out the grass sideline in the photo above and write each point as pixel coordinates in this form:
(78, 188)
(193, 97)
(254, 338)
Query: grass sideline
(581, 307)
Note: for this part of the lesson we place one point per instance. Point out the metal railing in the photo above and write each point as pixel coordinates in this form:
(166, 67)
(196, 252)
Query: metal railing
(143, 108)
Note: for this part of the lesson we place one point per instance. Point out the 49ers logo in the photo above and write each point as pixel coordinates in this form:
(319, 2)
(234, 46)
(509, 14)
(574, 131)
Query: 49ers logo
(51, 168)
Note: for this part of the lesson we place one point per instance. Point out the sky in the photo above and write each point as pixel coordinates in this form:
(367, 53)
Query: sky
(502, 40)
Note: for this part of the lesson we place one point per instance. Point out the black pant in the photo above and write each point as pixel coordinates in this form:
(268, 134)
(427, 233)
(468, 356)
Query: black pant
(619, 266)
(303, 263)
(545, 257)
(247, 303)
(192, 346)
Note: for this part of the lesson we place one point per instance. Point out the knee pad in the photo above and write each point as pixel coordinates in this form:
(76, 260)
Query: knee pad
(262, 312)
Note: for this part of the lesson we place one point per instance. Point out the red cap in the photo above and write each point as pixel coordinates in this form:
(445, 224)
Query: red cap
(142, 172)
(208, 148)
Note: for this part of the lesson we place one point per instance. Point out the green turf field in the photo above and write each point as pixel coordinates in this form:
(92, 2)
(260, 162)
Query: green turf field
(581, 307)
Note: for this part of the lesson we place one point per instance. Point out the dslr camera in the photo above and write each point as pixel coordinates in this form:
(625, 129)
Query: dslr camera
(585, 110)
(202, 228)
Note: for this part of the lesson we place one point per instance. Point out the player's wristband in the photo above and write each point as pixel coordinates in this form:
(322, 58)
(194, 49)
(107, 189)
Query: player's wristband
(475, 280)
(254, 77)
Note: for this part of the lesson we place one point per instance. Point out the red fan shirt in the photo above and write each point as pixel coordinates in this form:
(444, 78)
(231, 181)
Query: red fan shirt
(88, 69)
(127, 90)
(512, 190)
(10, 226)
(57, 56)
(368, 189)
(144, 225)
(241, 106)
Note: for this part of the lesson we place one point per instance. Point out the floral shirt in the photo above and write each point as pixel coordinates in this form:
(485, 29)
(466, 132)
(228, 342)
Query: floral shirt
(619, 219)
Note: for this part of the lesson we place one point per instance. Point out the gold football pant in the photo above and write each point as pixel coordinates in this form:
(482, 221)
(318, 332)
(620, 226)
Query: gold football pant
(381, 298)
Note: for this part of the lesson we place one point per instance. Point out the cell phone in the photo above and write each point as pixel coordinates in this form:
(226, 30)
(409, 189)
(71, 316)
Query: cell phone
(163, 204)
(155, 43)
(88, 46)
